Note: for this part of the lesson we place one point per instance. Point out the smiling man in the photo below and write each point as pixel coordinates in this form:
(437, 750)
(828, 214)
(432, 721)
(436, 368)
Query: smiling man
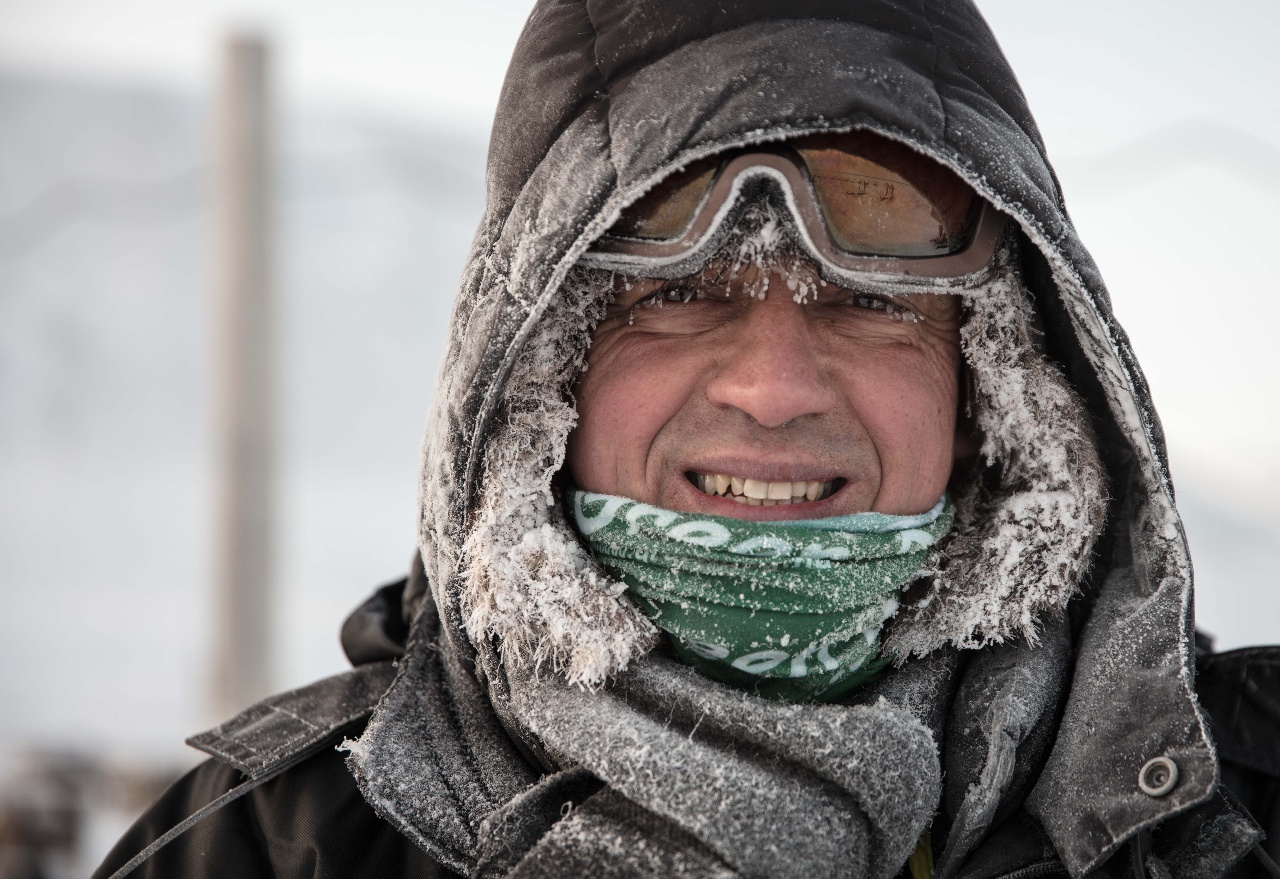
(701, 393)
(792, 505)
(798, 370)
(703, 383)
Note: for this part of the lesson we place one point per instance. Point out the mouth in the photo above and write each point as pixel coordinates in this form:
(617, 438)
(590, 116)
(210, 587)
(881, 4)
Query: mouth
(758, 493)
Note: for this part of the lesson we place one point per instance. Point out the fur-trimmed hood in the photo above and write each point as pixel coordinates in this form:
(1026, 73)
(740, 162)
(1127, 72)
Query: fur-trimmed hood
(604, 98)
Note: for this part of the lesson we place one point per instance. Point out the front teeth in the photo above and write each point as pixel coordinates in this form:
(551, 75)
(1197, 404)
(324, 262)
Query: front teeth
(758, 493)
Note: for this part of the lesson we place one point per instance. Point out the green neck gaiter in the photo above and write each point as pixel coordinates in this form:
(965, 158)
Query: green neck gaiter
(790, 610)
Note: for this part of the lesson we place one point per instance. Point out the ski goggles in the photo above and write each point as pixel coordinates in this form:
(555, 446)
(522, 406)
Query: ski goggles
(865, 207)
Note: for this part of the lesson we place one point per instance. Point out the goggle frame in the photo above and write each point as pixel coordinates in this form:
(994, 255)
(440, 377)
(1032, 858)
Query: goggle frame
(679, 257)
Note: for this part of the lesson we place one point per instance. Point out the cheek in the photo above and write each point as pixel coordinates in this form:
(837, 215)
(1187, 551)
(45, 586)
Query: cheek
(631, 389)
(906, 400)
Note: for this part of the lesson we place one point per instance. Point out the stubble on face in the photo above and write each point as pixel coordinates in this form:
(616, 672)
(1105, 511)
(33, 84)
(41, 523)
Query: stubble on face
(693, 383)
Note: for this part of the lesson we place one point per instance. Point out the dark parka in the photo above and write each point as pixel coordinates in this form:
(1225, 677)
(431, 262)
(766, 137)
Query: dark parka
(602, 97)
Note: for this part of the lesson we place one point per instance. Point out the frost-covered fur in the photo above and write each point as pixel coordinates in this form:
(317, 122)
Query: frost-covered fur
(1017, 553)
(531, 583)
(1019, 547)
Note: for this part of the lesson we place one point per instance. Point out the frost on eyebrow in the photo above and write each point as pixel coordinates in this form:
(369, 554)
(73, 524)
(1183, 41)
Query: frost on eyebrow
(760, 246)
(757, 249)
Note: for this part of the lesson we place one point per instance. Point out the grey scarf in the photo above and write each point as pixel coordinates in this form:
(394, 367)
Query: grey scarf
(748, 787)
(664, 773)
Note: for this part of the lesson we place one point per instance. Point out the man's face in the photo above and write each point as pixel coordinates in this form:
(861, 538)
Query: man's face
(850, 397)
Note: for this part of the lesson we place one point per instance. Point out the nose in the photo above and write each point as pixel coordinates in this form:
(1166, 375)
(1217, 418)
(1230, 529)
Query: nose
(772, 370)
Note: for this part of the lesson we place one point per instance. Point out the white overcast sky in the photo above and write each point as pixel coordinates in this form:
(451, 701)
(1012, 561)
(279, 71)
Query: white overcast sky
(1163, 117)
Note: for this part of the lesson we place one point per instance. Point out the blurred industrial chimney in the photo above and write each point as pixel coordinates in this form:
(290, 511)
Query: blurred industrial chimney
(246, 373)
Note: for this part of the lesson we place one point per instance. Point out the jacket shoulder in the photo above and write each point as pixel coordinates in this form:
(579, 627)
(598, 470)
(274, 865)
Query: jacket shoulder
(307, 821)
(291, 726)
(276, 799)
(1240, 691)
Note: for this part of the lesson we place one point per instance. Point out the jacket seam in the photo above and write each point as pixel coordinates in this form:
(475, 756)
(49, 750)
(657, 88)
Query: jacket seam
(933, 70)
(649, 60)
(451, 709)
(447, 781)
(271, 754)
(606, 92)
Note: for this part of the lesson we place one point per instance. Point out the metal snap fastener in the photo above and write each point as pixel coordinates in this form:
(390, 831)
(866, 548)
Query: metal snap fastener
(1158, 776)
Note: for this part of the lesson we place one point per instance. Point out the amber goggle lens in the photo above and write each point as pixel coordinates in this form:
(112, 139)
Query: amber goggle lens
(667, 210)
(877, 198)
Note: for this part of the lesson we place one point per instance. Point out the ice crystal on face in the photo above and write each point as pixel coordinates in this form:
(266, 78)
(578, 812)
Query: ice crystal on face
(1017, 552)
(759, 248)
(757, 239)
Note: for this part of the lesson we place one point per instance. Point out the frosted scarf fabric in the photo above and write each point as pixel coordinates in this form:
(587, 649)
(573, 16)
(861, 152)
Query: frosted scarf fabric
(791, 610)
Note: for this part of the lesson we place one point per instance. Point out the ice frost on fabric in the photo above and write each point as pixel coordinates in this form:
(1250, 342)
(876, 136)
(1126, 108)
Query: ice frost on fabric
(433, 760)
(1018, 551)
(998, 732)
(531, 583)
(774, 789)
(1020, 546)
(609, 837)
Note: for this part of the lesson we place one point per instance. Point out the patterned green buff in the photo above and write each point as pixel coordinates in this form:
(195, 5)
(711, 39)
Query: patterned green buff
(789, 610)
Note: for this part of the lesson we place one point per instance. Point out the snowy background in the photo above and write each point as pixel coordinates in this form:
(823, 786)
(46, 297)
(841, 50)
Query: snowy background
(1162, 121)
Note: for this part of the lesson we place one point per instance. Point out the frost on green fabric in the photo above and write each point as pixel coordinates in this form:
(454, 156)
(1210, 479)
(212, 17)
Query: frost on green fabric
(787, 610)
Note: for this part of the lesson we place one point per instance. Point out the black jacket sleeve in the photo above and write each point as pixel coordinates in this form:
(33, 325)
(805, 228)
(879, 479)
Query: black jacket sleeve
(310, 821)
(1240, 691)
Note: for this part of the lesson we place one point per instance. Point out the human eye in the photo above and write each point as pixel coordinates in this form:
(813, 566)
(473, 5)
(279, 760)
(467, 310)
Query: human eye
(887, 306)
(679, 306)
(683, 293)
(677, 294)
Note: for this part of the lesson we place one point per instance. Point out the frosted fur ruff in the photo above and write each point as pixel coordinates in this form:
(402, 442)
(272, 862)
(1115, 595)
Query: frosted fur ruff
(1020, 547)
(1017, 552)
(531, 582)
